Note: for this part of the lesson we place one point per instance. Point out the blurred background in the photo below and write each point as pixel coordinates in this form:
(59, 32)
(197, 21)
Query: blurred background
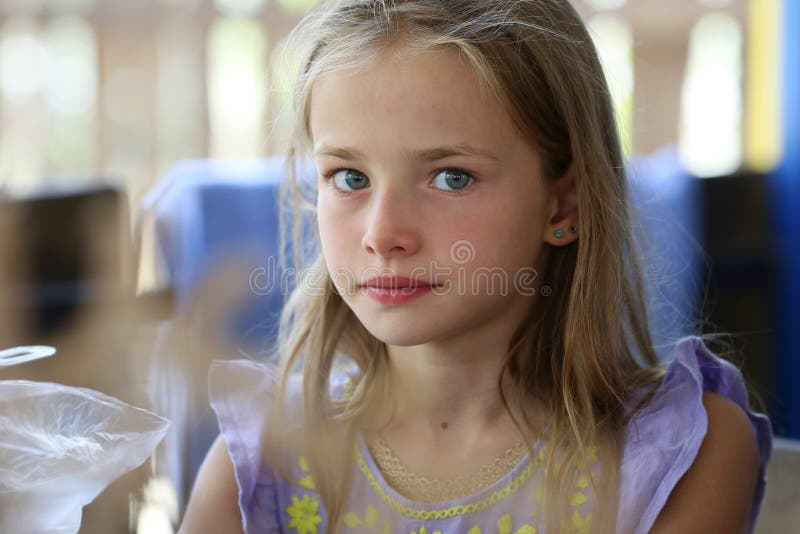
(140, 148)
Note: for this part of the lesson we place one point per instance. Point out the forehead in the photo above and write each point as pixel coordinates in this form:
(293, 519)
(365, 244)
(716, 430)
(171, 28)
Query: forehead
(426, 95)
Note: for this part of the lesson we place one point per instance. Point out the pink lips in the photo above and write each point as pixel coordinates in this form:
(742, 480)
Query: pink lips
(395, 289)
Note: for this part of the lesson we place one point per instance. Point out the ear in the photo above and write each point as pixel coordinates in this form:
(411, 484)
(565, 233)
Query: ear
(561, 227)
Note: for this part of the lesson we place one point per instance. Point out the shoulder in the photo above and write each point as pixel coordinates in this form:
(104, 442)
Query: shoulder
(242, 394)
(716, 493)
(696, 434)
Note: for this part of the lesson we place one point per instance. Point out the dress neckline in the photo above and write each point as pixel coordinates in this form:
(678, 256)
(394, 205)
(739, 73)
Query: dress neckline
(505, 486)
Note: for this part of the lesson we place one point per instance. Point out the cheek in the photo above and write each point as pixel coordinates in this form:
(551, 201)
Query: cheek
(510, 238)
(335, 234)
(324, 226)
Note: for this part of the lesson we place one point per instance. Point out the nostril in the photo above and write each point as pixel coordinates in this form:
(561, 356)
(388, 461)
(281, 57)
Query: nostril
(390, 245)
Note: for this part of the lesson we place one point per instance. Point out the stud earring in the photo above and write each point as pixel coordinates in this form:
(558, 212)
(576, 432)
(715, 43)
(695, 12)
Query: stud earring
(573, 230)
(559, 233)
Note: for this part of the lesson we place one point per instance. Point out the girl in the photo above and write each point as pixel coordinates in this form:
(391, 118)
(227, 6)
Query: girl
(477, 268)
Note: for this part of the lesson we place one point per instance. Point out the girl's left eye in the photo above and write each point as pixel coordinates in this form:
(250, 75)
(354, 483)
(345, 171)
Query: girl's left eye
(452, 180)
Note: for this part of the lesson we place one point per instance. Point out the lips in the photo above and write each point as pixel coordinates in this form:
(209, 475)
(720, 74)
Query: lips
(396, 282)
(394, 291)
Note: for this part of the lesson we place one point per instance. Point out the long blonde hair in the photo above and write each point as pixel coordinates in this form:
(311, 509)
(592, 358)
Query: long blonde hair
(581, 351)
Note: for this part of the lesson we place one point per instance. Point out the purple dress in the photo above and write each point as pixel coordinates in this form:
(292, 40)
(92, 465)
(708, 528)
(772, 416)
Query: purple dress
(660, 445)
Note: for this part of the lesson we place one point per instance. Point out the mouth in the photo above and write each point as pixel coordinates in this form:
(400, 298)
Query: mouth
(396, 283)
(396, 290)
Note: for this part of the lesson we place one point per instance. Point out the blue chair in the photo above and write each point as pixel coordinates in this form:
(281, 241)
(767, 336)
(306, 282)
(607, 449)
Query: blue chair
(204, 213)
(207, 212)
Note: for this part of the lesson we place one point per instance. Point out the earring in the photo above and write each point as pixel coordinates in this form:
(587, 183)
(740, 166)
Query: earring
(573, 230)
(559, 233)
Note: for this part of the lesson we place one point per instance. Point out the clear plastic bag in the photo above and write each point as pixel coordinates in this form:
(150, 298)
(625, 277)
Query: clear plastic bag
(60, 447)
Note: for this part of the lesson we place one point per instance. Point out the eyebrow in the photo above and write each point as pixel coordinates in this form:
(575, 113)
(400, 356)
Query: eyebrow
(429, 154)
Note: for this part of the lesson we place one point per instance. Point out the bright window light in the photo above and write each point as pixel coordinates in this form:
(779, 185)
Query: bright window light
(237, 79)
(22, 59)
(71, 91)
(711, 105)
(240, 7)
(298, 6)
(606, 5)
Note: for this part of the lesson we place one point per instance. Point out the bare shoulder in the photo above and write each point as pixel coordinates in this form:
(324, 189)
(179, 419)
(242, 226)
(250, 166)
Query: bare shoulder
(214, 503)
(715, 494)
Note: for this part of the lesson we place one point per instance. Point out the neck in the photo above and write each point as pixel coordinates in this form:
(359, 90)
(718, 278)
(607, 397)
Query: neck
(448, 396)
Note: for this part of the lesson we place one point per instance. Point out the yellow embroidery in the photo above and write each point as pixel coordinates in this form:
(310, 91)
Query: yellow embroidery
(504, 526)
(303, 514)
(475, 530)
(424, 530)
(577, 499)
(453, 511)
(581, 523)
(371, 520)
(349, 388)
(371, 517)
(307, 482)
(351, 520)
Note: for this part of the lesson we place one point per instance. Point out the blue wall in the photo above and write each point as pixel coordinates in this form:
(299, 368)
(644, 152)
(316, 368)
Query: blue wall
(786, 198)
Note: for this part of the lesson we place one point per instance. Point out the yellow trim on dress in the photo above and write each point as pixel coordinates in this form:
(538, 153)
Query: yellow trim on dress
(453, 511)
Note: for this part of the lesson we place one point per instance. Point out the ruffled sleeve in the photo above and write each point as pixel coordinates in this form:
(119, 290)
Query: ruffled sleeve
(663, 438)
(241, 393)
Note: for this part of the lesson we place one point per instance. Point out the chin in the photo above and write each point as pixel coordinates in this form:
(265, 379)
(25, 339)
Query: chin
(398, 337)
(399, 332)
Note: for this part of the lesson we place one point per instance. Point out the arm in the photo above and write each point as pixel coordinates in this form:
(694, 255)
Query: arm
(214, 504)
(716, 493)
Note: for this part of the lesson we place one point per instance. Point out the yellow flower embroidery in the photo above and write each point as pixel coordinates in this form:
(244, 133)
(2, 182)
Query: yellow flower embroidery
(475, 530)
(370, 520)
(504, 526)
(371, 517)
(577, 499)
(351, 520)
(424, 530)
(581, 523)
(303, 514)
(307, 482)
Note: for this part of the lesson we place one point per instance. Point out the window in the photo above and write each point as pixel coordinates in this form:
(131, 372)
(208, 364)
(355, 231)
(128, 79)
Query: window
(237, 85)
(711, 108)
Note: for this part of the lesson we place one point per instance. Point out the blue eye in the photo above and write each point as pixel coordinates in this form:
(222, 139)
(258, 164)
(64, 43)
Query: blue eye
(452, 180)
(350, 180)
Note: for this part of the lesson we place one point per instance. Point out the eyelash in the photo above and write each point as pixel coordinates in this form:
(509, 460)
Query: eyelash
(327, 177)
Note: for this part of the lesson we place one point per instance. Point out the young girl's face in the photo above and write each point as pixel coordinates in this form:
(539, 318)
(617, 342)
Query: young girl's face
(423, 175)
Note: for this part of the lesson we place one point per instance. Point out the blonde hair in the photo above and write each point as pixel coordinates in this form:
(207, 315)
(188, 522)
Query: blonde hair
(582, 350)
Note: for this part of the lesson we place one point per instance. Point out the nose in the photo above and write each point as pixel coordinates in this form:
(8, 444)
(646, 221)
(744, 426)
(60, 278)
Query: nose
(390, 228)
